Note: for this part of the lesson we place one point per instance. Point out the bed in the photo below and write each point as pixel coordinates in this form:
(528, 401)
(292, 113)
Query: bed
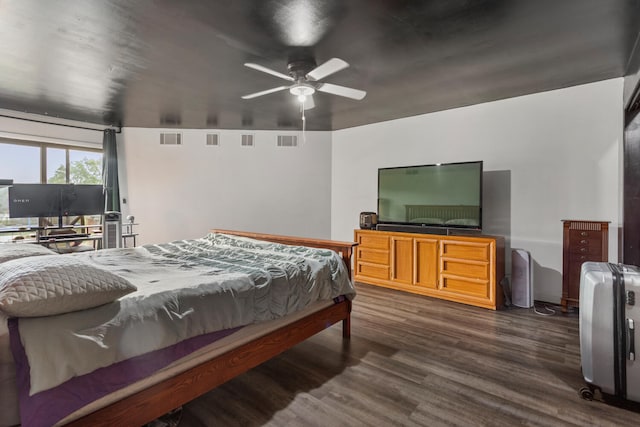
(199, 367)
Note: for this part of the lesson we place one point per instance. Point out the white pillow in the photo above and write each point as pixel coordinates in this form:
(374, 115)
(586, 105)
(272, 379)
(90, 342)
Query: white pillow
(55, 284)
(9, 251)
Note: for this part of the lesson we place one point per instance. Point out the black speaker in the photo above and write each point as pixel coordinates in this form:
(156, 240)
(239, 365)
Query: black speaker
(368, 220)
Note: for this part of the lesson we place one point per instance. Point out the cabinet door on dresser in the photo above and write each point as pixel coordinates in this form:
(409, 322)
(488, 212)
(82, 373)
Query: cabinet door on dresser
(402, 260)
(425, 262)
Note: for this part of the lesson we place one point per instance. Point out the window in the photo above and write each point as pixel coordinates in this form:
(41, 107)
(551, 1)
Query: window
(56, 171)
(20, 162)
(33, 163)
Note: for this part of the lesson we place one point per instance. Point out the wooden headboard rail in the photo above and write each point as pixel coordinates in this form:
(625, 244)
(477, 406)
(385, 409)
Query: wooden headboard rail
(344, 249)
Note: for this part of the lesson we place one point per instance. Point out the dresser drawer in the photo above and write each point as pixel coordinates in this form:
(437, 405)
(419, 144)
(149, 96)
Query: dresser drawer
(376, 271)
(475, 270)
(586, 250)
(582, 257)
(575, 236)
(465, 250)
(461, 286)
(376, 256)
(373, 241)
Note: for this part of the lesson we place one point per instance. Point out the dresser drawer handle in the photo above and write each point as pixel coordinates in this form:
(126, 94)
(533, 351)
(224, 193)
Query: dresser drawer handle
(583, 257)
(584, 249)
(584, 233)
(583, 241)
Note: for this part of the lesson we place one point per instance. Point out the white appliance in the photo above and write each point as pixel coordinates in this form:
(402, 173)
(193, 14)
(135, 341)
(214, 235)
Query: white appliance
(112, 230)
(521, 279)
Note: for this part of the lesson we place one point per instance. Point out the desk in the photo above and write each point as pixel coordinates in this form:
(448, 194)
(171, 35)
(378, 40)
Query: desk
(96, 238)
(127, 232)
(41, 235)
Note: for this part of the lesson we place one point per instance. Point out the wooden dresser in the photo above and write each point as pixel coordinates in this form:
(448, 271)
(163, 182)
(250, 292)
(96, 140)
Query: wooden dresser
(464, 269)
(582, 241)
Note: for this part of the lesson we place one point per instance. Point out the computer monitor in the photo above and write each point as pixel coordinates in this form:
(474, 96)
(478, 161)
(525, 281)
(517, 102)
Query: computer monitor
(34, 200)
(55, 200)
(82, 200)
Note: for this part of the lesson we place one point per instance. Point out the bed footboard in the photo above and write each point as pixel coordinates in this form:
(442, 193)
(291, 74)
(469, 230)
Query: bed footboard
(157, 400)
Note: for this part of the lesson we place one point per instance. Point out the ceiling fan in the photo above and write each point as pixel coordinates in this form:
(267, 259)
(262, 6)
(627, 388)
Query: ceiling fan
(305, 76)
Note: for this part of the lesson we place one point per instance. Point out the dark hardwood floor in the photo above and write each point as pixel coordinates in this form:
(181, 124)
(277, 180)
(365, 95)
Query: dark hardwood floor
(417, 361)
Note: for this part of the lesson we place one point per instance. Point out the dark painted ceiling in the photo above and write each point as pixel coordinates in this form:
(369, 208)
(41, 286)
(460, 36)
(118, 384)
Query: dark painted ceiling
(168, 63)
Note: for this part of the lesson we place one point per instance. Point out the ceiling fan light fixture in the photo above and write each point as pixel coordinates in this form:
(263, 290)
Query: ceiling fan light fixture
(302, 91)
(306, 83)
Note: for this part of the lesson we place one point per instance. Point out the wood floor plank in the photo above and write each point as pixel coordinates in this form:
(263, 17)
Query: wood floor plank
(418, 361)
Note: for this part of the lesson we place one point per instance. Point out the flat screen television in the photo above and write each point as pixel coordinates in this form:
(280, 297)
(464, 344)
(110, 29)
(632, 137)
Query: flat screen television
(441, 195)
(82, 200)
(55, 200)
(34, 200)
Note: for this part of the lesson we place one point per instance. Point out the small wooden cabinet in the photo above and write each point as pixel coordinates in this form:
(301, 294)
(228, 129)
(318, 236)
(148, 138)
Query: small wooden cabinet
(464, 269)
(582, 241)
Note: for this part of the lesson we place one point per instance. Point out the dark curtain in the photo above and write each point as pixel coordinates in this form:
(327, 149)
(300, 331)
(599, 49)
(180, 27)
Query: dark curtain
(110, 171)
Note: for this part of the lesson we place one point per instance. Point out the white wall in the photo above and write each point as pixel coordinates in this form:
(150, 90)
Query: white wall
(547, 157)
(179, 192)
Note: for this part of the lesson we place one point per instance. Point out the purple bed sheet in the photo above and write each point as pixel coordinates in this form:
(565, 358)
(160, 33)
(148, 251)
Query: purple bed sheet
(46, 408)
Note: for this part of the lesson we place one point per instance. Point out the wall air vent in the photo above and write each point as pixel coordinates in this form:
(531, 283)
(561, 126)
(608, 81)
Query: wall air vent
(287, 141)
(213, 139)
(170, 138)
(247, 141)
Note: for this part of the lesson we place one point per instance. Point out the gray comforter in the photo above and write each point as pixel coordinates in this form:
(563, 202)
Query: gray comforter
(185, 288)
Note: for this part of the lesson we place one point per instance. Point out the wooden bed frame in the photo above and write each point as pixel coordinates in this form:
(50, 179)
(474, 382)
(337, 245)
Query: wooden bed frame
(155, 401)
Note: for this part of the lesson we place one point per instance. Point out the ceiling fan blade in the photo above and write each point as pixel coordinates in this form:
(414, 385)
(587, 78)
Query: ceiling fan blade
(341, 91)
(268, 71)
(265, 92)
(323, 70)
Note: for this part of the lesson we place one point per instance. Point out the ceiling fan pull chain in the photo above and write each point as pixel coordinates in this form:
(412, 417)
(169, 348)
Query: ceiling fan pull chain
(304, 125)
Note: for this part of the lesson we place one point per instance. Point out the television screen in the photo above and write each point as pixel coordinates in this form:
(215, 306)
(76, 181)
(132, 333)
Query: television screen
(55, 200)
(82, 200)
(34, 200)
(442, 195)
